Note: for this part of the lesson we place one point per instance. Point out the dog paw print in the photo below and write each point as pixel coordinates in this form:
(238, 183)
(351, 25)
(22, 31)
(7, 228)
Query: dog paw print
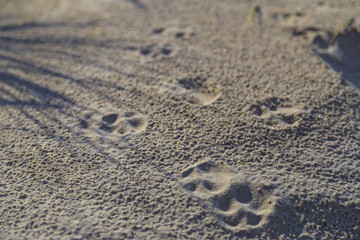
(289, 20)
(156, 52)
(237, 203)
(275, 115)
(112, 124)
(297, 24)
(173, 32)
(195, 90)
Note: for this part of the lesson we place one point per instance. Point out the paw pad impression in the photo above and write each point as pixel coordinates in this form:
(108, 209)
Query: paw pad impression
(110, 124)
(237, 203)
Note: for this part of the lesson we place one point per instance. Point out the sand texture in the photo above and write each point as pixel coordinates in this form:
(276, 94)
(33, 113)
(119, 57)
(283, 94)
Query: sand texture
(159, 119)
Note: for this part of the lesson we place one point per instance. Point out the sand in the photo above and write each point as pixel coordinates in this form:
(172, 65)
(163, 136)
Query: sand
(136, 119)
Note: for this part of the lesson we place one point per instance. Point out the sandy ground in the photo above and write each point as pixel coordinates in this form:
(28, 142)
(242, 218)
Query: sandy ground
(136, 119)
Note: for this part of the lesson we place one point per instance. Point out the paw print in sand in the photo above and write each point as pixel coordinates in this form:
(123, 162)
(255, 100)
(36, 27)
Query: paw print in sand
(173, 31)
(277, 114)
(156, 52)
(297, 23)
(112, 125)
(237, 203)
(195, 90)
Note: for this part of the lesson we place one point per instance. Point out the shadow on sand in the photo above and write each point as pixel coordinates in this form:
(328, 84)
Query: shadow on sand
(341, 53)
(36, 101)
